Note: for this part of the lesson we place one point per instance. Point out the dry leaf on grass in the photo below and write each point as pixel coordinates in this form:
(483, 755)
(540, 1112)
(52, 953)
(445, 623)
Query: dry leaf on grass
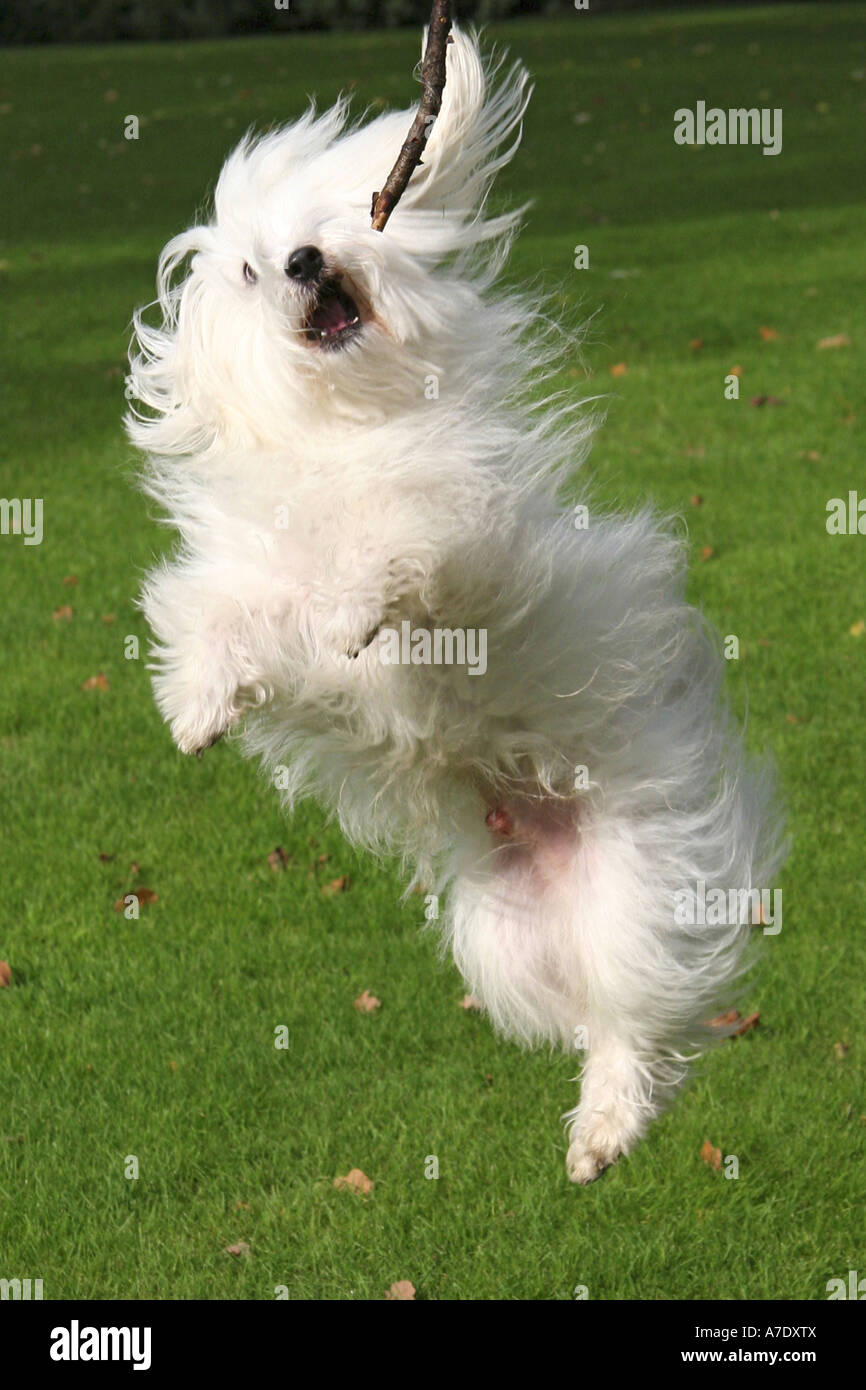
(696, 501)
(71, 580)
(241, 1248)
(402, 1290)
(711, 1156)
(354, 1181)
(841, 1049)
(367, 1003)
(144, 896)
(63, 614)
(735, 371)
(769, 335)
(619, 369)
(337, 885)
(836, 341)
(97, 682)
(5, 975)
(108, 619)
(470, 1002)
(722, 1020)
(278, 859)
(707, 552)
(696, 344)
(857, 629)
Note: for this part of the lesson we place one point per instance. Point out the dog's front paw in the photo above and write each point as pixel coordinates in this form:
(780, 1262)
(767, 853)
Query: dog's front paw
(197, 715)
(348, 631)
(196, 733)
(355, 651)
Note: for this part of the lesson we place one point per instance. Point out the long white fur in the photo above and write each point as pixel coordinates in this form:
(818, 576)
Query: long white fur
(320, 494)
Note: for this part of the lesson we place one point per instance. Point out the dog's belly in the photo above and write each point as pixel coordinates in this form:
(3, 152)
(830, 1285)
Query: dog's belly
(511, 918)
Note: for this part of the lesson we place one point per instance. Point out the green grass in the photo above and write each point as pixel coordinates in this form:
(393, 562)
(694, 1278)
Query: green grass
(155, 1038)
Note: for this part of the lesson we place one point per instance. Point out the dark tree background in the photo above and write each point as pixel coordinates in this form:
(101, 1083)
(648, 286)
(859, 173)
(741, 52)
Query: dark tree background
(89, 21)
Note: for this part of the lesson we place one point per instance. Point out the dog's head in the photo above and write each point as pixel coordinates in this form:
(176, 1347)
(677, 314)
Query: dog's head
(291, 300)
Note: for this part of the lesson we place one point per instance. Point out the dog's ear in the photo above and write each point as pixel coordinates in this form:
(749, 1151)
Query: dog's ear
(476, 132)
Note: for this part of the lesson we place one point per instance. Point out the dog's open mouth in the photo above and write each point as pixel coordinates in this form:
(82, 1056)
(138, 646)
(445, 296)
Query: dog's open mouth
(335, 318)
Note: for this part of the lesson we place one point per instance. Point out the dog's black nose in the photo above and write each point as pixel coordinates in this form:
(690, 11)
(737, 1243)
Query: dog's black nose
(305, 263)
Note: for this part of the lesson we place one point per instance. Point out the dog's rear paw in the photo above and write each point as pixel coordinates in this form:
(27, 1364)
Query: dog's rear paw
(584, 1164)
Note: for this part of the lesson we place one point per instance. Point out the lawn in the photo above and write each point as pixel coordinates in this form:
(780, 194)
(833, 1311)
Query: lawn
(156, 1038)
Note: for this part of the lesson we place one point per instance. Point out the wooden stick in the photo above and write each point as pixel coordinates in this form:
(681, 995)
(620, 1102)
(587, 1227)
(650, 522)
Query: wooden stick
(433, 82)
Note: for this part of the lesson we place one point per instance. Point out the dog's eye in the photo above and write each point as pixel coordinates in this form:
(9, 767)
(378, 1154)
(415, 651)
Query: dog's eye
(249, 274)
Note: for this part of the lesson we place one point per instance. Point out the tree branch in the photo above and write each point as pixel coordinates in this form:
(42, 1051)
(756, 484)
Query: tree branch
(433, 82)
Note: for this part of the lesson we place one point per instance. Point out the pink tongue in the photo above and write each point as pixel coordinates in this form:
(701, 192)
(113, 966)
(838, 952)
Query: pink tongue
(330, 317)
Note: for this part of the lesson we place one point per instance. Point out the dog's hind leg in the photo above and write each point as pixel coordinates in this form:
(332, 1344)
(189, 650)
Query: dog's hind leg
(642, 999)
(559, 926)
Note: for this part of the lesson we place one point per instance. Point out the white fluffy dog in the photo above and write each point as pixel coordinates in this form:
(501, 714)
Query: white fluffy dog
(337, 423)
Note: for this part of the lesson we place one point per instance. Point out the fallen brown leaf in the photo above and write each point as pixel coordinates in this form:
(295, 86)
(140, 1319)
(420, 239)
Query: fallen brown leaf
(768, 334)
(71, 579)
(696, 501)
(354, 1181)
(735, 371)
(97, 682)
(857, 629)
(619, 369)
(337, 885)
(278, 858)
(402, 1290)
(722, 1020)
(62, 614)
(144, 895)
(241, 1248)
(751, 1022)
(696, 344)
(836, 341)
(367, 1003)
(242, 1206)
(5, 975)
(108, 619)
(470, 1002)
(711, 1156)
(707, 552)
(841, 1049)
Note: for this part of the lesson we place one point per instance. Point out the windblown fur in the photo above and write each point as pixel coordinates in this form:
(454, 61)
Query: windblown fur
(323, 491)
